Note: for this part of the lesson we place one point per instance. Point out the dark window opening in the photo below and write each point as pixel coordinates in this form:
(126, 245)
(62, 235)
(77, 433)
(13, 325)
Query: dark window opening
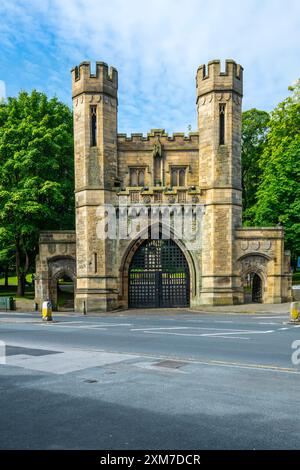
(182, 177)
(222, 124)
(178, 176)
(95, 262)
(141, 178)
(157, 171)
(173, 178)
(93, 126)
(137, 176)
(133, 177)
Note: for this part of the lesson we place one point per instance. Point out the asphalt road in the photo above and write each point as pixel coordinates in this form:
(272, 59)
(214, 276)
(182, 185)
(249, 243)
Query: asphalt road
(169, 381)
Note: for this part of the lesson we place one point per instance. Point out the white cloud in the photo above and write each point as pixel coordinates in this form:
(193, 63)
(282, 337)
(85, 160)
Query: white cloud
(157, 46)
(2, 90)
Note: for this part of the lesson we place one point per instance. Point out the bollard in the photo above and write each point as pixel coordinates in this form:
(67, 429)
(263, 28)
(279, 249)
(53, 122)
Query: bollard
(47, 311)
(294, 312)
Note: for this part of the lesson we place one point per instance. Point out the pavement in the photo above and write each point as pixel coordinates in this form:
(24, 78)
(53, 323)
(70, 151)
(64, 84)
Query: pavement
(159, 380)
(27, 305)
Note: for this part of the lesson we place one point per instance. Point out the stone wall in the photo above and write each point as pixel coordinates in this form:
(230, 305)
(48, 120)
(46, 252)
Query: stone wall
(177, 150)
(261, 251)
(57, 257)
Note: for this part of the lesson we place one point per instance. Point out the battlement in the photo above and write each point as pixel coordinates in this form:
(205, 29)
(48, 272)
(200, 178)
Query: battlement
(104, 80)
(210, 78)
(161, 134)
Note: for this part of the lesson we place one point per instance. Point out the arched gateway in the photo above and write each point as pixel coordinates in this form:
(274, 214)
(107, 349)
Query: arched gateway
(158, 276)
(119, 174)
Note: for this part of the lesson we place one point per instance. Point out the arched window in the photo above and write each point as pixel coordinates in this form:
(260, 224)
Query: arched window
(182, 177)
(141, 178)
(222, 125)
(174, 177)
(178, 176)
(157, 171)
(133, 177)
(95, 263)
(93, 125)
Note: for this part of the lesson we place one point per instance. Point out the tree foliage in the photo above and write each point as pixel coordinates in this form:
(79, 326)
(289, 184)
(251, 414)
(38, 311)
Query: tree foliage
(278, 194)
(254, 133)
(37, 176)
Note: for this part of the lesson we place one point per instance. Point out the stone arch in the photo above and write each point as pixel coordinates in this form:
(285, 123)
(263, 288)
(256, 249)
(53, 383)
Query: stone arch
(133, 247)
(254, 264)
(59, 266)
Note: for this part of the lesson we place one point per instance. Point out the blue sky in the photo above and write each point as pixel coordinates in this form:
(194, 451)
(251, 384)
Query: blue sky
(156, 45)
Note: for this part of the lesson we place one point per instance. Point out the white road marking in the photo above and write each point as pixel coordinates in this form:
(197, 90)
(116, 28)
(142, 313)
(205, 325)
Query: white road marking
(87, 326)
(269, 317)
(165, 328)
(67, 323)
(218, 332)
(223, 321)
(185, 328)
(92, 327)
(115, 324)
(238, 332)
(229, 337)
(214, 335)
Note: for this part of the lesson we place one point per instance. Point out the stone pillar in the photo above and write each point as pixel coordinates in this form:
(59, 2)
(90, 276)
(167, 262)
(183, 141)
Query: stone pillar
(219, 100)
(95, 140)
(41, 282)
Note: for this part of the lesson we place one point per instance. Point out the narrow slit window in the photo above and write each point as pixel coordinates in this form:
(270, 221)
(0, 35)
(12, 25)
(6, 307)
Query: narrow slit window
(93, 126)
(222, 124)
(157, 171)
(95, 262)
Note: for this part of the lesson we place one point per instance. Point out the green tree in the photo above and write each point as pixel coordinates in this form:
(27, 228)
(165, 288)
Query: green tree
(254, 133)
(36, 174)
(278, 195)
(7, 260)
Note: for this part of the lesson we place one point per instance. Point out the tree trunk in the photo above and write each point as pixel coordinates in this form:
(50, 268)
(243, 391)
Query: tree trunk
(20, 274)
(6, 277)
(21, 285)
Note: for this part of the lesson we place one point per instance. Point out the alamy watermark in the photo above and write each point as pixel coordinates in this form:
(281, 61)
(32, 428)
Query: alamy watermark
(130, 221)
(296, 354)
(2, 352)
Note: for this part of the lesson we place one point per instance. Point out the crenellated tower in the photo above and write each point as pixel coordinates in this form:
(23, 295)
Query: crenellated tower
(123, 185)
(95, 104)
(219, 102)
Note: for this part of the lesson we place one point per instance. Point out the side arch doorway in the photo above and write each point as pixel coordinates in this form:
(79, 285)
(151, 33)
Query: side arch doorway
(62, 282)
(253, 288)
(257, 289)
(65, 293)
(158, 276)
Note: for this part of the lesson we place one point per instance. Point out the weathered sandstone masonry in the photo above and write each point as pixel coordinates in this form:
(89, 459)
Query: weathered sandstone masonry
(232, 264)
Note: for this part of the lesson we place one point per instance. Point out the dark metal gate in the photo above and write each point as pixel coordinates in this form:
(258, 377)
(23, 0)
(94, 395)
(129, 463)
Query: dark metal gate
(158, 276)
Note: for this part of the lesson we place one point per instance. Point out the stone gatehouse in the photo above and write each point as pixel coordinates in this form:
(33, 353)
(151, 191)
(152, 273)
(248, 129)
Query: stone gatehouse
(228, 264)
